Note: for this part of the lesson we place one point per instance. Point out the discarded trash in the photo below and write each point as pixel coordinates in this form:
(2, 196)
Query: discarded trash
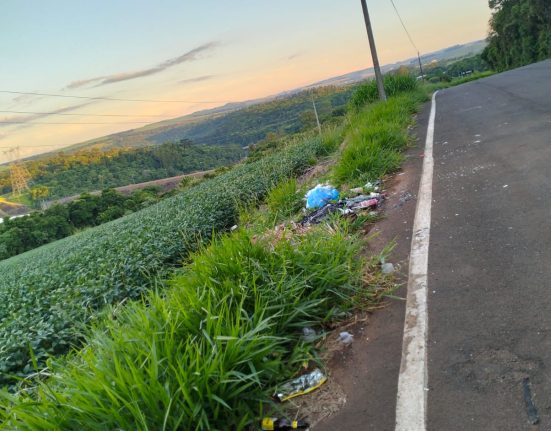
(531, 410)
(234, 227)
(404, 197)
(344, 206)
(368, 187)
(372, 200)
(318, 215)
(346, 337)
(370, 203)
(387, 268)
(301, 385)
(275, 424)
(321, 195)
(309, 335)
(351, 201)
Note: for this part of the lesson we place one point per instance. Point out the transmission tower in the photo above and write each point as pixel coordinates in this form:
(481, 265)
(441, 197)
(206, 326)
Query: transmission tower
(19, 175)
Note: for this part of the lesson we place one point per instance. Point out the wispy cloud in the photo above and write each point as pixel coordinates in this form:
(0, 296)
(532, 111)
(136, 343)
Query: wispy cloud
(196, 79)
(191, 55)
(295, 55)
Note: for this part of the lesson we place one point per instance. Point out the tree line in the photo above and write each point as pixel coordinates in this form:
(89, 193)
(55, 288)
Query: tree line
(25, 233)
(67, 174)
(520, 33)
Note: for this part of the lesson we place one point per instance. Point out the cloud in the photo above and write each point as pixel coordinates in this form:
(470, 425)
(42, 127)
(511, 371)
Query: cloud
(295, 55)
(191, 55)
(196, 79)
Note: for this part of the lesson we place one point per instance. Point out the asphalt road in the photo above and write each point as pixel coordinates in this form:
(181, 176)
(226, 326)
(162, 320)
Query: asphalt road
(490, 255)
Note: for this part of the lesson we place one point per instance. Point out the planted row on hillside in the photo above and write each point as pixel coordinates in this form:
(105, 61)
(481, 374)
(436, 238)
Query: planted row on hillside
(47, 294)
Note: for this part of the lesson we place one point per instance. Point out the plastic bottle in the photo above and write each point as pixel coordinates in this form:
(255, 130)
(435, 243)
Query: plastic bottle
(283, 424)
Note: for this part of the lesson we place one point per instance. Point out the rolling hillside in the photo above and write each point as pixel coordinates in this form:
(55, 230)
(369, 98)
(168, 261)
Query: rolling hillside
(247, 122)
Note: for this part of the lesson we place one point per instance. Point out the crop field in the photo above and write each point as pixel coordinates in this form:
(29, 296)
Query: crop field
(48, 295)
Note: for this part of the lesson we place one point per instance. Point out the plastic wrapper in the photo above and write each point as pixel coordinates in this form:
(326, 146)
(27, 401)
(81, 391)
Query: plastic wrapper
(301, 385)
(321, 195)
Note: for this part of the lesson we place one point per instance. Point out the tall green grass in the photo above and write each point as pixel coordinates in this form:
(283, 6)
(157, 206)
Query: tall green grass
(394, 84)
(375, 138)
(285, 200)
(208, 353)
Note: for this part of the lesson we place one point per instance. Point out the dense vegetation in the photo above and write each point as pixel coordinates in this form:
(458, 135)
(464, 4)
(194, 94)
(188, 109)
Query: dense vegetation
(209, 354)
(83, 171)
(447, 71)
(375, 144)
(282, 116)
(208, 350)
(241, 123)
(520, 33)
(47, 293)
(394, 84)
(25, 233)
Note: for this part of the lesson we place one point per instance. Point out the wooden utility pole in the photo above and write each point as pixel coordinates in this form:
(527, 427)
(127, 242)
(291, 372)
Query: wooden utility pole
(378, 74)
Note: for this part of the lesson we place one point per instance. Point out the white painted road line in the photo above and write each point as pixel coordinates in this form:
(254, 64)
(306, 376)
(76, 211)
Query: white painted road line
(411, 405)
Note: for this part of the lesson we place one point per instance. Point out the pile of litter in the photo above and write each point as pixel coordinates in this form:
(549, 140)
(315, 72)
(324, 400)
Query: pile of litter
(325, 200)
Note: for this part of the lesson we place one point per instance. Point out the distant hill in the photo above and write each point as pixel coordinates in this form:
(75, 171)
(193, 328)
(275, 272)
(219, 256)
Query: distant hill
(245, 123)
(233, 124)
(452, 52)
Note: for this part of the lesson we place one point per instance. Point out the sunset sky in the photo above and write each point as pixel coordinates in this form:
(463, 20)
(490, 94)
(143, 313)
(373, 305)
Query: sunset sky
(202, 51)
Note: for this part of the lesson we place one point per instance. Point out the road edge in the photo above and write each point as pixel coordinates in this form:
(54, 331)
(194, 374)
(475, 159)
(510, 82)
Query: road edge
(411, 403)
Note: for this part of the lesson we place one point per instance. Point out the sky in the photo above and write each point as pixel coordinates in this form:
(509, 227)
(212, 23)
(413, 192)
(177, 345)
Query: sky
(182, 56)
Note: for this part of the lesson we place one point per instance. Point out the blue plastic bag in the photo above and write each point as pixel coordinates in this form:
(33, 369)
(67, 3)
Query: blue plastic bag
(320, 195)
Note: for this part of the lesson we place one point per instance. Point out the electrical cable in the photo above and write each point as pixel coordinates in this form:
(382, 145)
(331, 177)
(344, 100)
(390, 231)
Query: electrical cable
(83, 115)
(28, 93)
(404, 26)
(60, 123)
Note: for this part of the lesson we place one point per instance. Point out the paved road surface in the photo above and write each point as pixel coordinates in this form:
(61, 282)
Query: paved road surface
(490, 254)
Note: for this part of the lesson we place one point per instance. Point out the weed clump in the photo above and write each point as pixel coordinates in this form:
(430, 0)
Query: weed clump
(394, 84)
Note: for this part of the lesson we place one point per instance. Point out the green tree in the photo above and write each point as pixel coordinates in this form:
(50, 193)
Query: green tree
(39, 193)
(520, 33)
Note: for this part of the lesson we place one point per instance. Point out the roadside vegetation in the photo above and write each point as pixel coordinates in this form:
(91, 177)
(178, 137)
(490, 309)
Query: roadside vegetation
(47, 294)
(206, 354)
(203, 350)
(193, 327)
(377, 135)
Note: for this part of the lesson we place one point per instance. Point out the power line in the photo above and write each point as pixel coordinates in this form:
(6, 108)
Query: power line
(207, 102)
(60, 123)
(410, 39)
(404, 26)
(30, 146)
(82, 115)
